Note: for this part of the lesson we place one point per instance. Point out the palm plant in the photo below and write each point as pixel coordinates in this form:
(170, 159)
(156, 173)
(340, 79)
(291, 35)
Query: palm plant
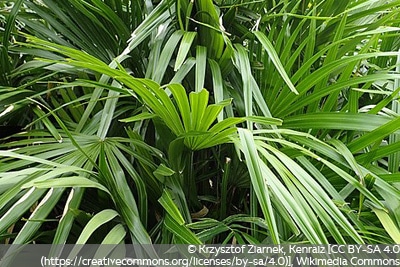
(201, 122)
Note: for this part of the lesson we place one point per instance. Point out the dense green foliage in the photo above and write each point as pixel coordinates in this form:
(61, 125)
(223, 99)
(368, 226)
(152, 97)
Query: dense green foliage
(200, 121)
